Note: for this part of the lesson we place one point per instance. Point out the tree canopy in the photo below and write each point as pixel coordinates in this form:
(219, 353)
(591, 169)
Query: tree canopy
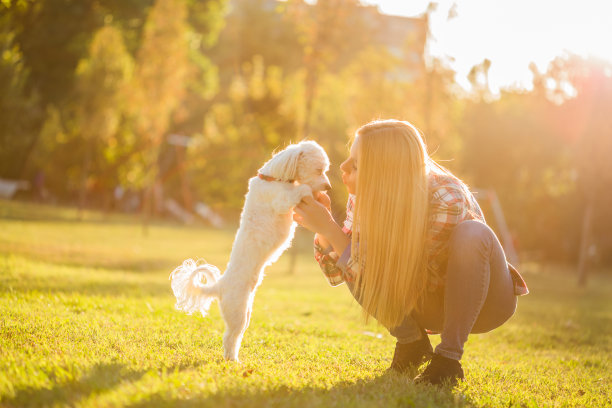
(186, 99)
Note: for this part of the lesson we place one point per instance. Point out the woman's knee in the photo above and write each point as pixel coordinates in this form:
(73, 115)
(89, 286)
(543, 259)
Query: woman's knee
(472, 229)
(471, 234)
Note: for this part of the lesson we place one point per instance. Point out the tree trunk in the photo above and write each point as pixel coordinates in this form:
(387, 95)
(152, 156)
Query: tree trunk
(585, 243)
(87, 158)
(185, 190)
(311, 89)
(147, 197)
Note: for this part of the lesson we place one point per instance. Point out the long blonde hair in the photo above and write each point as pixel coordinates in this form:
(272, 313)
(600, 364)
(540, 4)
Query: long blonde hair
(390, 219)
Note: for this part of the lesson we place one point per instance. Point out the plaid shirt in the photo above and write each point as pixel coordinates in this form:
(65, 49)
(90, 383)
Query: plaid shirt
(449, 205)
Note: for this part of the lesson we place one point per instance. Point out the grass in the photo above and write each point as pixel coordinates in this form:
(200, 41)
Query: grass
(88, 320)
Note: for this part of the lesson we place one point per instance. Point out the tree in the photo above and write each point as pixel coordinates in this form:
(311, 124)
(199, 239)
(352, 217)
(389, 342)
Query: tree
(40, 37)
(331, 33)
(48, 39)
(257, 28)
(162, 68)
(585, 87)
(16, 103)
(101, 87)
(512, 145)
(239, 133)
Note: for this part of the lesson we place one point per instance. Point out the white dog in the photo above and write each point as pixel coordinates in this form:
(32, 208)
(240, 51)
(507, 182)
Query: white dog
(266, 230)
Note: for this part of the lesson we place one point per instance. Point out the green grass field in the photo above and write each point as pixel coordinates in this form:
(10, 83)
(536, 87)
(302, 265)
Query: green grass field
(88, 320)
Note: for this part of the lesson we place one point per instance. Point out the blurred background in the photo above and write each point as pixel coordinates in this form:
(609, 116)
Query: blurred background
(167, 107)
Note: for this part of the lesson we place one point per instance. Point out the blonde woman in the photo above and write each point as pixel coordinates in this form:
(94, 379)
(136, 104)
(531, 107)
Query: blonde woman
(414, 250)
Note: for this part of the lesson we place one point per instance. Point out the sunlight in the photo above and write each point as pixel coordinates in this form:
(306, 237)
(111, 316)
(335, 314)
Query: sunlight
(511, 34)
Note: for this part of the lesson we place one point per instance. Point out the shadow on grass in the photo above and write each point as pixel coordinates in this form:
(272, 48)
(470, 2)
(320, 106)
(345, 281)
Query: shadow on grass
(387, 390)
(88, 282)
(99, 378)
(45, 213)
(89, 260)
(147, 288)
(558, 315)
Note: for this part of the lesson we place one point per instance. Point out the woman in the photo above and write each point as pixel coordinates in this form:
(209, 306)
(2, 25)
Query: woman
(414, 250)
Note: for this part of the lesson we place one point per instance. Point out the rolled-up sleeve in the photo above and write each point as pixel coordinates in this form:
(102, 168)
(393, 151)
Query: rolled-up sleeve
(348, 265)
(337, 268)
(327, 260)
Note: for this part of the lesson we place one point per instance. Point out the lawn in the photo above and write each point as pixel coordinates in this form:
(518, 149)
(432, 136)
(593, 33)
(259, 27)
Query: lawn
(88, 320)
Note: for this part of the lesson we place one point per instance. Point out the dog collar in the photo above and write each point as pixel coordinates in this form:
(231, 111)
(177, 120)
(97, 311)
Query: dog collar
(270, 178)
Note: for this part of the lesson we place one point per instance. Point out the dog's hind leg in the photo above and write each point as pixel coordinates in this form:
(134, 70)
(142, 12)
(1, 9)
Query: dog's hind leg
(236, 315)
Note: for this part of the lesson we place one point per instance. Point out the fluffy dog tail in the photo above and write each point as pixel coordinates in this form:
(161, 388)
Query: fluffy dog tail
(192, 294)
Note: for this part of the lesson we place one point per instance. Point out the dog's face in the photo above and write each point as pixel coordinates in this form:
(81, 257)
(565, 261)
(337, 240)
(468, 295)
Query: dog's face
(312, 166)
(304, 162)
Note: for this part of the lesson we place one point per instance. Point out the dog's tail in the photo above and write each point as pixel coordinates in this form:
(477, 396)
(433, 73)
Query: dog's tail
(192, 294)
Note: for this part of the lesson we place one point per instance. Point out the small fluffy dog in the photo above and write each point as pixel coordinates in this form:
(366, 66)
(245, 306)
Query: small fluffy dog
(266, 230)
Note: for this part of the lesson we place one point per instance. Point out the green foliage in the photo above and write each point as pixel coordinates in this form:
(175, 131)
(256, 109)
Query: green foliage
(44, 42)
(88, 319)
(101, 81)
(162, 66)
(101, 91)
(53, 36)
(16, 102)
(85, 136)
(243, 84)
(544, 157)
(512, 134)
(252, 29)
(240, 133)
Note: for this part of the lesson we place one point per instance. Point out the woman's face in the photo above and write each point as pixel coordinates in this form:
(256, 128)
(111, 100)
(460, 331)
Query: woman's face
(349, 169)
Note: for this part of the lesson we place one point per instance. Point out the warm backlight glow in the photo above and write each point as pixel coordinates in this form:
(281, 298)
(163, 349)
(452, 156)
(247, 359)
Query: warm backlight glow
(512, 33)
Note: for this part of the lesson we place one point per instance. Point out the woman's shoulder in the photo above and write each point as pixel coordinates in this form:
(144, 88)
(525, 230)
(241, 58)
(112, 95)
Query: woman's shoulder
(449, 194)
(446, 188)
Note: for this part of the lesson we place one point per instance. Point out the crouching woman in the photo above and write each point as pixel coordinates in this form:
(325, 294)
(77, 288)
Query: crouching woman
(414, 250)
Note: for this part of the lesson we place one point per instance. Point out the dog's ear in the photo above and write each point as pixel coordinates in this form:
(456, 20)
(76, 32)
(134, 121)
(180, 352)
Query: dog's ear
(284, 165)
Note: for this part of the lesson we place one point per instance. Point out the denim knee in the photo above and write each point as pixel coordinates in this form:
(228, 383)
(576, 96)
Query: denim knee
(471, 234)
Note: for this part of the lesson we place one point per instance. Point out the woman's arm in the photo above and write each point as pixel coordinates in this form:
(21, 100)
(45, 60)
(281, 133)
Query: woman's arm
(334, 265)
(336, 237)
(324, 199)
(314, 215)
(322, 242)
(328, 262)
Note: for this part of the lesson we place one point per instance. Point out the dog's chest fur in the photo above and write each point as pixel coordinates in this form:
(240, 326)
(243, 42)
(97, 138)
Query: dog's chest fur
(263, 234)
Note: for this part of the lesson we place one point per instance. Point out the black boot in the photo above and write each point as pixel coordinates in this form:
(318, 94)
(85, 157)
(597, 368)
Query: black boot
(441, 370)
(411, 354)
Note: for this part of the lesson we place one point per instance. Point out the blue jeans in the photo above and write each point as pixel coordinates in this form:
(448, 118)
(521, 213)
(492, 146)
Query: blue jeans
(478, 295)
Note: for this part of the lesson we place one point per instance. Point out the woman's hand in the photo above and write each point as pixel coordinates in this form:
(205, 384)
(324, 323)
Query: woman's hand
(324, 199)
(314, 214)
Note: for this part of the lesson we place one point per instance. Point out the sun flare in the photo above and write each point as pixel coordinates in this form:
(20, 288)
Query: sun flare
(511, 34)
